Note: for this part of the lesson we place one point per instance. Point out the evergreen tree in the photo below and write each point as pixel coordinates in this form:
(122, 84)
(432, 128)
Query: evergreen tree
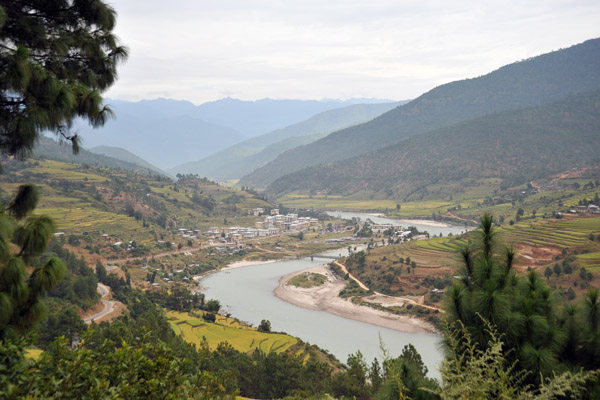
(20, 292)
(56, 58)
(518, 307)
(101, 271)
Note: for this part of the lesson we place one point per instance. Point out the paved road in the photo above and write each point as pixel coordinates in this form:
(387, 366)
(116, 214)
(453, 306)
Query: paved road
(109, 306)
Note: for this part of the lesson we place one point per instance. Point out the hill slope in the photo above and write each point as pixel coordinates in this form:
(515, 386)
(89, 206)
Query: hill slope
(535, 81)
(236, 161)
(168, 132)
(50, 149)
(124, 155)
(528, 143)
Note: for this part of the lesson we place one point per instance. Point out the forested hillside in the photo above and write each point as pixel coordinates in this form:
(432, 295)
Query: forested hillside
(236, 161)
(535, 81)
(526, 144)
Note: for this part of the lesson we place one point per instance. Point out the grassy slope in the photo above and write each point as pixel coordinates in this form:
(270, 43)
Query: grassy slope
(50, 149)
(90, 200)
(122, 154)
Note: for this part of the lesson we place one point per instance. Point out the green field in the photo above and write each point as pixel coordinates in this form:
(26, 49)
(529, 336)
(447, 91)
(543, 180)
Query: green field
(242, 338)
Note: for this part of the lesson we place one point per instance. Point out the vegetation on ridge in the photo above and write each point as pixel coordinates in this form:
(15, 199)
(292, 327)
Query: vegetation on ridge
(522, 145)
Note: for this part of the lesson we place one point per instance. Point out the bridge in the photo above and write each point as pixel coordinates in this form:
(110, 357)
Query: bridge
(324, 256)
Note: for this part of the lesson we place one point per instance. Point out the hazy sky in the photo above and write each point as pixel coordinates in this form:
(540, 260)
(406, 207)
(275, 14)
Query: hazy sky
(313, 49)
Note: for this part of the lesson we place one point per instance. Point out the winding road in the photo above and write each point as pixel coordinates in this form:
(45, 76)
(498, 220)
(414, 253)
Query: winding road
(109, 306)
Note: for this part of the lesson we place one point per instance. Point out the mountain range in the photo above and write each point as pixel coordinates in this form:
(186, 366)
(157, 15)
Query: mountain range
(535, 81)
(237, 160)
(169, 132)
(528, 143)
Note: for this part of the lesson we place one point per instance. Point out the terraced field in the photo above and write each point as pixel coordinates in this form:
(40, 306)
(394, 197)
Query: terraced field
(540, 243)
(591, 261)
(241, 337)
(567, 232)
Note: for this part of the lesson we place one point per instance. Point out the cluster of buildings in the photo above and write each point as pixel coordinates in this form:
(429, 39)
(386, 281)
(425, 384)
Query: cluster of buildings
(272, 225)
(590, 208)
(288, 222)
(238, 233)
(397, 231)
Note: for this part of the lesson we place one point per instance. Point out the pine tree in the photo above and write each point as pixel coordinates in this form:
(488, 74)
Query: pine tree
(21, 293)
(519, 307)
(56, 58)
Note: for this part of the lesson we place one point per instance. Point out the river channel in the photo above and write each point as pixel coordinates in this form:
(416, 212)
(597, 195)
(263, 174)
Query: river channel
(247, 293)
(434, 228)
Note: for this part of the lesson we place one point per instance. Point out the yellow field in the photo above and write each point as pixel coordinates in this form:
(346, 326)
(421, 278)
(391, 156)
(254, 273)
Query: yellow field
(241, 337)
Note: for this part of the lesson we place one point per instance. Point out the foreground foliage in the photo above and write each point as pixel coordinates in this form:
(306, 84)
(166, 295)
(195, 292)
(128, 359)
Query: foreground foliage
(474, 373)
(540, 338)
(21, 292)
(101, 369)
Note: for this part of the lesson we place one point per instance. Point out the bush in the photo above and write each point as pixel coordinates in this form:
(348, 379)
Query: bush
(209, 317)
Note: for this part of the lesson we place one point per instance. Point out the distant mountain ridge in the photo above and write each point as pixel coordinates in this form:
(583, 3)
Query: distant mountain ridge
(163, 141)
(236, 161)
(168, 132)
(535, 81)
(254, 118)
(528, 143)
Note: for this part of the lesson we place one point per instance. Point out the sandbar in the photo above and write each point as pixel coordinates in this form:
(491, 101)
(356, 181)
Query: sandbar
(325, 298)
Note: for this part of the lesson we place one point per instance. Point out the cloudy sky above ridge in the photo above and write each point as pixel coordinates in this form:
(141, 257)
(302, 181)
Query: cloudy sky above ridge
(308, 49)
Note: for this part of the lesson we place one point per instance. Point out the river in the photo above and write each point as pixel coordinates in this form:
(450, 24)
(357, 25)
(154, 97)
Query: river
(247, 293)
(433, 227)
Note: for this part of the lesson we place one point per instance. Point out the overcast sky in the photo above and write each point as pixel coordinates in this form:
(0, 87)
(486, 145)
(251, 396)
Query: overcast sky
(314, 49)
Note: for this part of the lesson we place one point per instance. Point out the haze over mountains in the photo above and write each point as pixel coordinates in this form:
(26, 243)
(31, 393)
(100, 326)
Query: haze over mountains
(168, 132)
(345, 148)
(236, 161)
(531, 82)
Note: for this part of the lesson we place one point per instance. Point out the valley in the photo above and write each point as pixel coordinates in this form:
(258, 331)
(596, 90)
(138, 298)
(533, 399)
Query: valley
(279, 248)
